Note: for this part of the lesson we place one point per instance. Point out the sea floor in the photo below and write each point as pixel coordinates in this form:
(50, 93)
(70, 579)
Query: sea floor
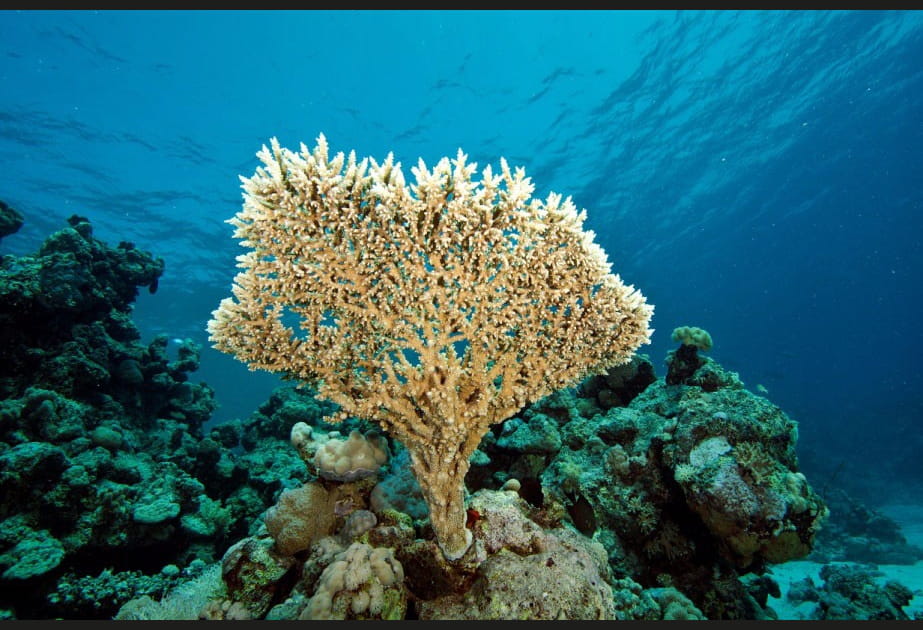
(910, 518)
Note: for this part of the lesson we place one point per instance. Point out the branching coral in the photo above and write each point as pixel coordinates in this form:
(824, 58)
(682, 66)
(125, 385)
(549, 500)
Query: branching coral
(435, 309)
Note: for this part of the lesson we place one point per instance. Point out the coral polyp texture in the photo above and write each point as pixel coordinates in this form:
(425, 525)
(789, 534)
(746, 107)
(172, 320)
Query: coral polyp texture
(435, 308)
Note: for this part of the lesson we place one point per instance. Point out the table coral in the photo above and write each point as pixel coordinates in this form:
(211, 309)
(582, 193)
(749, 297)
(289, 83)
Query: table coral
(435, 309)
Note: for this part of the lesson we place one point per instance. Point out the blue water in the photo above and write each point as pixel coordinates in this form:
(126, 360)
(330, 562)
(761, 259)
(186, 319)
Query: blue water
(758, 174)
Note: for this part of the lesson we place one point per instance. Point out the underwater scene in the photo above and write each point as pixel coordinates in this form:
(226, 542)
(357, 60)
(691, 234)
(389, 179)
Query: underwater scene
(449, 314)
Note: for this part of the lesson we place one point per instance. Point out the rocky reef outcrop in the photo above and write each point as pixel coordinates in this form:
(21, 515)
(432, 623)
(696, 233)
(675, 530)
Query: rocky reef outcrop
(110, 487)
(623, 498)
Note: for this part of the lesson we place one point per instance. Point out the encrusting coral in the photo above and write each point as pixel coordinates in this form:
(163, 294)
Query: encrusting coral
(435, 309)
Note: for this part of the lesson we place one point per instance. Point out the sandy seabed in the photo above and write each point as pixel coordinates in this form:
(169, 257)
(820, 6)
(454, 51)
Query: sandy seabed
(909, 517)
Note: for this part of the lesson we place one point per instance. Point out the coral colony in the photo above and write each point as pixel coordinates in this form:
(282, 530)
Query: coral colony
(470, 434)
(408, 275)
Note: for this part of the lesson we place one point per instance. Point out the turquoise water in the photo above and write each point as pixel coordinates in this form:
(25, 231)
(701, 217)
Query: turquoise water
(754, 173)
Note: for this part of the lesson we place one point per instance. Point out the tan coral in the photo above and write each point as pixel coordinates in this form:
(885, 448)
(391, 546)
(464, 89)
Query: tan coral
(435, 309)
(300, 517)
(358, 456)
(363, 582)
